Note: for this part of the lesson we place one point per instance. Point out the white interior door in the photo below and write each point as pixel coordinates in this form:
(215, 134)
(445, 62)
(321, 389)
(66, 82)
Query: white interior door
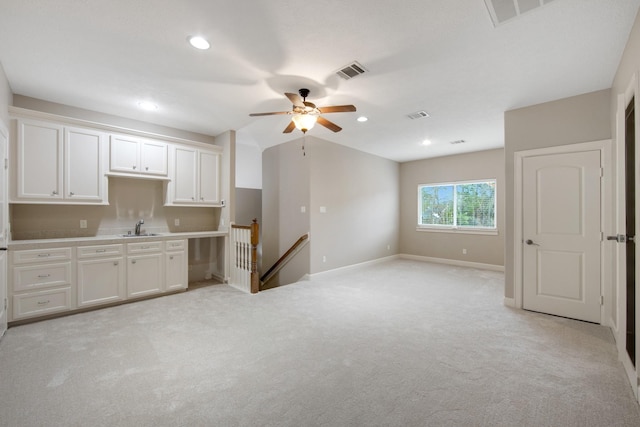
(561, 234)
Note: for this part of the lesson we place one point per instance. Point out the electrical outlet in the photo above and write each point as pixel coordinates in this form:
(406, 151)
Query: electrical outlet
(324, 259)
(83, 223)
(176, 222)
(388, 247)
(464, 252)
(303, 209)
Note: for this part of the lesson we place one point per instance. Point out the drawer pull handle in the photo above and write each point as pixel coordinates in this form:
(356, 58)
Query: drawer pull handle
(133, 261)
(71, 193)
(101, 250)
(54, 193)
(115, 263)
(43, 302)
(43, 276)
(134, 166)
(44, 255)
(171, 257)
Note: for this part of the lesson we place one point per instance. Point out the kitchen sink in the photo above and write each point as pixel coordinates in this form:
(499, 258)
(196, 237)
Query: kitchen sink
(140, 235)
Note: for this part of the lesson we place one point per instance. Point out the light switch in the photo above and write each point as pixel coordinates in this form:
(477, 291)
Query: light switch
(323, 209)
(303, 209)
(83, 223)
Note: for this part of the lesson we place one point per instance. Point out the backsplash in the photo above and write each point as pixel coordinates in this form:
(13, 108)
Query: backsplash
(130, 200)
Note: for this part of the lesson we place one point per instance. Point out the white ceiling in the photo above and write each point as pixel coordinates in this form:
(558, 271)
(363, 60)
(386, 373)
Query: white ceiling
(441, 56)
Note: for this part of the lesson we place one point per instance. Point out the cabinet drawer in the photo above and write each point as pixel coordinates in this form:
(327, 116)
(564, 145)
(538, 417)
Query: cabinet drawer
(100, 251)
(41, 255)
(175, 245)
(144, 247)
(41, 276)
(41, 303)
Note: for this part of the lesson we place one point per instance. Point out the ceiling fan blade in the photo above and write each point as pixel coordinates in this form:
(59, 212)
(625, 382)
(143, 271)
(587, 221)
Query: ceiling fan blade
(338, 109)
(269, 114)
(295, 99)
(290, 127)
(329, 125)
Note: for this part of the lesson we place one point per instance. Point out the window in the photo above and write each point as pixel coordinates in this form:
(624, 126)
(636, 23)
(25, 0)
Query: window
(459, 205)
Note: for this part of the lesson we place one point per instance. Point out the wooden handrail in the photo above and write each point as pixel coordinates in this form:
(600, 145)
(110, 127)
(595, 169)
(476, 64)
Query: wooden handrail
(280, 263)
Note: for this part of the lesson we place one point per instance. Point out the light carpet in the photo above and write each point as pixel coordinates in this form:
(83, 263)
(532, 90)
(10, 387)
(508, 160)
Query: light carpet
(401, 343)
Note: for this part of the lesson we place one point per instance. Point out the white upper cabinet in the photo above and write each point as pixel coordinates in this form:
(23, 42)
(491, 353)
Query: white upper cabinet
(137, 156)
(57, 164)
(39, 150)
(84, 165)
(196, 177)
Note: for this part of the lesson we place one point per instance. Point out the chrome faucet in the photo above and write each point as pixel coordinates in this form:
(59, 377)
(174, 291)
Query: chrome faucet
(138, 224)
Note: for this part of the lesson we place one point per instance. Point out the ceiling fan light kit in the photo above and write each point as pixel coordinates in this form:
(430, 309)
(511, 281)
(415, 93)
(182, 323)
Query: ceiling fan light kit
(304, 114)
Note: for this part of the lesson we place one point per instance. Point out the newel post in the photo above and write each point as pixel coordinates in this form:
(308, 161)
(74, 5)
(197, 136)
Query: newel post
(255, 238)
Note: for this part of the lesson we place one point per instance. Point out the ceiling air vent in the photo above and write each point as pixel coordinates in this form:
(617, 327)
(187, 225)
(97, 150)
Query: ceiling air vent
(505, 10)
(418, 115)
(350, 71)
(458, 141)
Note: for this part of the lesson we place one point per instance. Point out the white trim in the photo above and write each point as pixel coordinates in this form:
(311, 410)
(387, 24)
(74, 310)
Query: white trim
(17, 112)
(604, 146)
(455, 230)
(348, 268)
(455, 262)
(509, 302)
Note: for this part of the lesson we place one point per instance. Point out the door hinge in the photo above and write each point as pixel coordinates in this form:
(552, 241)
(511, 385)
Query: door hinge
(5, 303)
(601, 299)
(6, 163)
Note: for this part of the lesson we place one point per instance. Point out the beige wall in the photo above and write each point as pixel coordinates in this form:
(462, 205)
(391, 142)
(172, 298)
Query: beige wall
(6, 97)
(94, 116)
(581, 118)
(485, 249)
(129, 200)
(285, 189)
(359, 192)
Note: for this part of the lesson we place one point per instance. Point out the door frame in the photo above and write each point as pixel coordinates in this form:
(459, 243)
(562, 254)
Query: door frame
(619, 323)
(606, 203)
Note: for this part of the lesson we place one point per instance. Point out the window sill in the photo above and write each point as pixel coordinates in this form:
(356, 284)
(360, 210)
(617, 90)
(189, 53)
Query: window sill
(490, 232)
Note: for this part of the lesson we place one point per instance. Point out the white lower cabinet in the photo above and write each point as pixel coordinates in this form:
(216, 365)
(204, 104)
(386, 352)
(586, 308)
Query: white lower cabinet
(42, 283)
(52, 281)
(175, 262)
(145, 272)
(101, 275)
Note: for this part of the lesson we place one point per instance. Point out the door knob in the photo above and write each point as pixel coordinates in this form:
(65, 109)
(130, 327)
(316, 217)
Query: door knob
(531, 242)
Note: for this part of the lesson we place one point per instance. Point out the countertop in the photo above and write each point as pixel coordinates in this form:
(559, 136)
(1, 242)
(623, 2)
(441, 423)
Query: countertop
(108, 239)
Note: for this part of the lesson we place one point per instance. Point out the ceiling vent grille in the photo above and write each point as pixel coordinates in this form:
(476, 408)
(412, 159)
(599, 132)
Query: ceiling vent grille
(458, 141)
(352, 70)
(418, 115)
(502, 11)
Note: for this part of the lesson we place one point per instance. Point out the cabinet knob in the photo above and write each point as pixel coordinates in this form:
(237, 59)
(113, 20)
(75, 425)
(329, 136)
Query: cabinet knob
(71, 193)
(193, 198)
(115, 262)
(147, 168)
(202, 199)
(133, 261)
(171, 257)
(54, 193)
(134, 166)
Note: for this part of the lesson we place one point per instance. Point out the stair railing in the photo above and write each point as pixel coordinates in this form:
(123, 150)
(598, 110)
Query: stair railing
(282, 261)
(244, 257)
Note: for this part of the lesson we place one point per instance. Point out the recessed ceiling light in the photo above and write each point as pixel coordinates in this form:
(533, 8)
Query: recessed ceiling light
(198, 42)
(148, 106)
(426, 142)
(362, 119)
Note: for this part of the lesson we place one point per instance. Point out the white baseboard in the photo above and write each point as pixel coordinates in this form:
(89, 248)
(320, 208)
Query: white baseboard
(456, 262)
(349, 267)
(510, 302)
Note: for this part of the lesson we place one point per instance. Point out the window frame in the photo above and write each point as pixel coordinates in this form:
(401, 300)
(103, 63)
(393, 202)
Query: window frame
(439, 228)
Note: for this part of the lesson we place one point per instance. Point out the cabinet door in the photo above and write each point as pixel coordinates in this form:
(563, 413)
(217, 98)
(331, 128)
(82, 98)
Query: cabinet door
(184, 181)
(100, 281)
(84, 178)
(39, 168)
(144, 275)
(176, 270)
(124, 154)
(209, 169)
(153, 157)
